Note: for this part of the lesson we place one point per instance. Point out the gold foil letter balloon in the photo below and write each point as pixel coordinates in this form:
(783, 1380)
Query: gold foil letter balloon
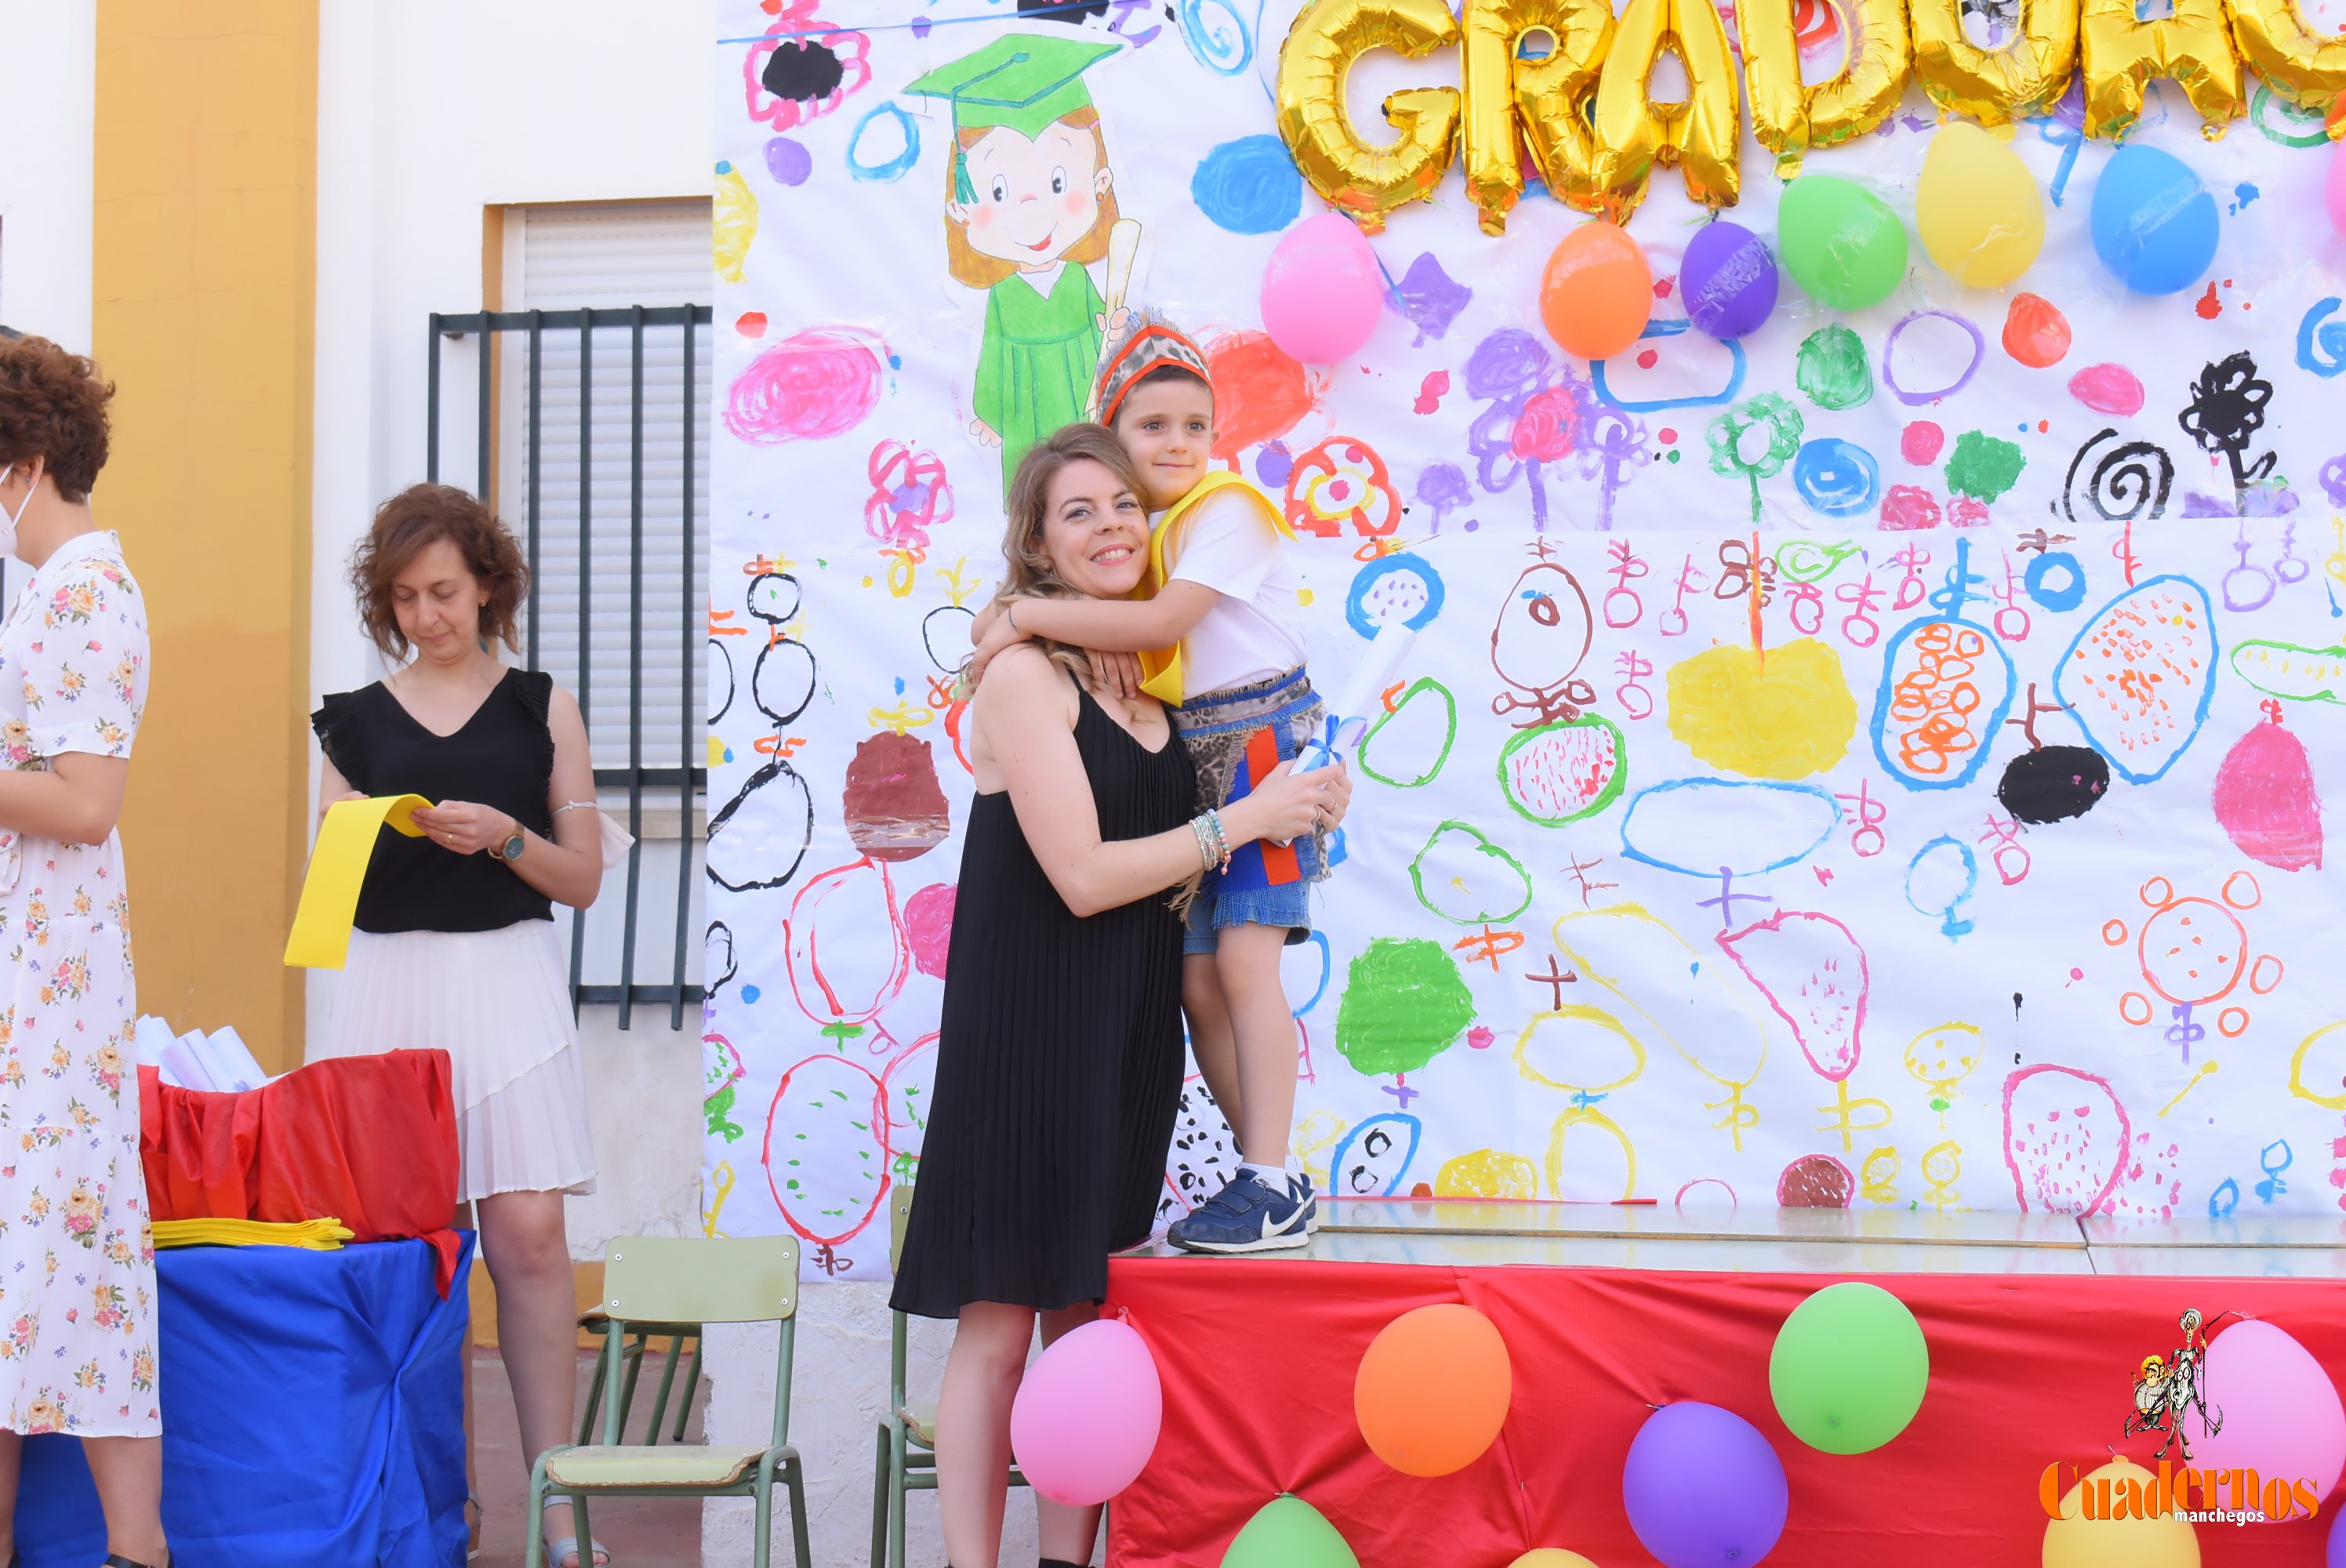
(1546, 99)
(1703, 134)
(2302, 66)
(1996, 86)
(1363, 181)
(2122, 57)
(1790, 117)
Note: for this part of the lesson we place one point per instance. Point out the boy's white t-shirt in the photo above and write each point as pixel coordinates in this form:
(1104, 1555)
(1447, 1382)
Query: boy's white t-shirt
(1250, 633)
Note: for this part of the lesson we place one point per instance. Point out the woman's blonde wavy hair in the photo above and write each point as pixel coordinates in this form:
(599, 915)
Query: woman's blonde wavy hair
(1031, 575)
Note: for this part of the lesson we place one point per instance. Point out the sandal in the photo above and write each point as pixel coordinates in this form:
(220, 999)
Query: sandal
(474, 1530)
(597, 1554)
(116, 1559)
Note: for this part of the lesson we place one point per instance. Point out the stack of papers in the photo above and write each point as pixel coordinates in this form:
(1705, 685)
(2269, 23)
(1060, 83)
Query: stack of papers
(218, 1061)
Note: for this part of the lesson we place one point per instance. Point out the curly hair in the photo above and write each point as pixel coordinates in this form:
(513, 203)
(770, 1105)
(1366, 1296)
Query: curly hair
(1031, 575)
(53, 407)
(412, 522)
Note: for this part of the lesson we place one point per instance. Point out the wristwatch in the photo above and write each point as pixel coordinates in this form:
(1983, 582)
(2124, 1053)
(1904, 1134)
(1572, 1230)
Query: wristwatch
(511, 849)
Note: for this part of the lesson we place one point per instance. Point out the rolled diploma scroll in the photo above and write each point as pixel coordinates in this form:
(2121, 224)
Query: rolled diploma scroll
(1123, 244)
(1123, 247)
(1363, 698)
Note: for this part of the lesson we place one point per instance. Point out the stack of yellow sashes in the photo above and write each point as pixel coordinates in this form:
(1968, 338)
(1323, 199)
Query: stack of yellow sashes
(325, 1235)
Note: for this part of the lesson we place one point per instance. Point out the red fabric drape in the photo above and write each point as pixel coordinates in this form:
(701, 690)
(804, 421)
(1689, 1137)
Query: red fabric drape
(368, 1140)
(1258, 1359)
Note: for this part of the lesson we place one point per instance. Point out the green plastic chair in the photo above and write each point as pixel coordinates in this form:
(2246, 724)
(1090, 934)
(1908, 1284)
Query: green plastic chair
(686, 1280)
(598, 1322)
(907, 1448)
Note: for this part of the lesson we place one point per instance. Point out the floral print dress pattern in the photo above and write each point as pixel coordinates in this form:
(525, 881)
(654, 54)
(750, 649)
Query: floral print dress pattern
(76, 1254)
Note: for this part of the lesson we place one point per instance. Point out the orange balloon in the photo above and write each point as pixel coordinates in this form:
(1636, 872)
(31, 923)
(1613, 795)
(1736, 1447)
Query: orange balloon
(1432, 1390)
(1598, 293)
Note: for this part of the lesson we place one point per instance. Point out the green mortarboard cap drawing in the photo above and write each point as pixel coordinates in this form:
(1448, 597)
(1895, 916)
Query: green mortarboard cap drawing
(1024, 81)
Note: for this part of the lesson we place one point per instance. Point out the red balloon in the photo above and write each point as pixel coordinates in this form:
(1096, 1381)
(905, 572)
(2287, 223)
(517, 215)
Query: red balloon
(1598, 293)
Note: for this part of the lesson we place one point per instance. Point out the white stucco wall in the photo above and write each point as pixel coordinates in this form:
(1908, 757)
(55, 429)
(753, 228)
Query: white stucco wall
(48, 106)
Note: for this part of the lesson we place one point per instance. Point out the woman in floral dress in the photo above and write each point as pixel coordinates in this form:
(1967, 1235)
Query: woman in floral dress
(76, 1258)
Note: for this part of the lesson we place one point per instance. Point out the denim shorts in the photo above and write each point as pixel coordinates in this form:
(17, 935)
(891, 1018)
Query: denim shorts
(1288, 904)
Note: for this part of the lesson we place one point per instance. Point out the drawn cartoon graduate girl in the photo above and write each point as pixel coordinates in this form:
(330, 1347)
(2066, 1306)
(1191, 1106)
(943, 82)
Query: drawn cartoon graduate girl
(1028, 207)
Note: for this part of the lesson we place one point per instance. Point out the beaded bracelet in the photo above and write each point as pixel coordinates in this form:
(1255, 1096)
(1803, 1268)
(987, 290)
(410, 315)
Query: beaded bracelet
(1221, 837)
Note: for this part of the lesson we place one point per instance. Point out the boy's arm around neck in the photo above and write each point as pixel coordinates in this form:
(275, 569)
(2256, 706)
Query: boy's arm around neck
(1119, 625)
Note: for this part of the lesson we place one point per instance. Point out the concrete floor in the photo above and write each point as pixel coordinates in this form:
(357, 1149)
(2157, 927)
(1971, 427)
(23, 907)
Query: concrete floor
(638, 1532)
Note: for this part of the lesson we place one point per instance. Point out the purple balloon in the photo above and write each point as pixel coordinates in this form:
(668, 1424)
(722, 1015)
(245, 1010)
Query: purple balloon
(2336, 1556)
(1703, 1489)
(1729, 279)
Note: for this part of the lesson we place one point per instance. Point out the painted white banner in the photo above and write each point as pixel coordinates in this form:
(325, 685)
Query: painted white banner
(1872, 763)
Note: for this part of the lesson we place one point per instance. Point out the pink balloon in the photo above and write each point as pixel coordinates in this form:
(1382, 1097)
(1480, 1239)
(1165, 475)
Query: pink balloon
(1085, 1417)
(1322, 291)
(2281, 1415)
(2337, 186)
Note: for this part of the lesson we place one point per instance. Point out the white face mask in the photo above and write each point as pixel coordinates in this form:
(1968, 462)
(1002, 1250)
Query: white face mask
(8, 530)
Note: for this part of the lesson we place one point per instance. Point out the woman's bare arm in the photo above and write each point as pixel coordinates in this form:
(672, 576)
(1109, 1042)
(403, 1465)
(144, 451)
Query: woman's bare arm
(1023, 710)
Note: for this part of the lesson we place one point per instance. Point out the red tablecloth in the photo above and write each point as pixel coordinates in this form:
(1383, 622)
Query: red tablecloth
(1258, 1359)
(368, 1140)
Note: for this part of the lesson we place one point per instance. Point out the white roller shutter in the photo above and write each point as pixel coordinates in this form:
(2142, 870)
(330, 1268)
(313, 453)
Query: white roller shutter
(604, 255)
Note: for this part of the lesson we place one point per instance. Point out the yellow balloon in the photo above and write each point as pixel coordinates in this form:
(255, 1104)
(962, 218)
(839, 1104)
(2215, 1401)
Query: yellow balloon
(1551, 1557)
(2301, 66)
(1546, 99)
(2122, 57)
(1996, 86)
(2074, 1541)
(1788, 117)
(1981, 215)
(1364, 180)
(1703, 134)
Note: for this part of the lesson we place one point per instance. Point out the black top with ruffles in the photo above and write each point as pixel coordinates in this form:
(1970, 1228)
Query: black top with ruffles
(501, 758)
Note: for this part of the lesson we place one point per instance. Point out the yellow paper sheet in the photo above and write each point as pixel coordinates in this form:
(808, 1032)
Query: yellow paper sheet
(329, 893)
(325, 1235)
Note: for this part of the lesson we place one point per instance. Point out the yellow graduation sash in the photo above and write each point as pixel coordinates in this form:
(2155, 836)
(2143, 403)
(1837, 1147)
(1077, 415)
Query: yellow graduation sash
(1161, 670)
(321, 938)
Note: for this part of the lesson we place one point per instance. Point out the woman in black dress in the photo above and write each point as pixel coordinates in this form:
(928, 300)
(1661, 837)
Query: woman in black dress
(1059, 1055)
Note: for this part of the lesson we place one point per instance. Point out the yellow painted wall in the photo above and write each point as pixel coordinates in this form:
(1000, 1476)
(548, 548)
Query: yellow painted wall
(205, 238)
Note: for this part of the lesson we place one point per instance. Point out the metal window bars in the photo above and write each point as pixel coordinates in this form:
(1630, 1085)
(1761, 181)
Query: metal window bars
(688, 778)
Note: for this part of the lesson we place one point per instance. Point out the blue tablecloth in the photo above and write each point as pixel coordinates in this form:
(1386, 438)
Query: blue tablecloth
(312, 1413)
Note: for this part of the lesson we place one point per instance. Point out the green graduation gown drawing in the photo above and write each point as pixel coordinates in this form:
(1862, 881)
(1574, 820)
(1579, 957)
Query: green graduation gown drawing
(1035, 366)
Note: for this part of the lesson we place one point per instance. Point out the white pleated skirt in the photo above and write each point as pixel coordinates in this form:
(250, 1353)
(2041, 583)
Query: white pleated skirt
(498, 1001)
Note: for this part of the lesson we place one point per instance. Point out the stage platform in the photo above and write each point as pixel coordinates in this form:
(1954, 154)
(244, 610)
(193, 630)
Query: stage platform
(1466, 1234)
(2037, 1325)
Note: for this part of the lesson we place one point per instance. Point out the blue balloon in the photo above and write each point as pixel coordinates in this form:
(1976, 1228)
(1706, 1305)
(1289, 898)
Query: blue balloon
(2155, 225)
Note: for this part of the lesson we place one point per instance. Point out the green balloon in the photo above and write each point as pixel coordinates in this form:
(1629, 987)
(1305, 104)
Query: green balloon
(1849, 1368)
(1289, 1533)
(1841, 242)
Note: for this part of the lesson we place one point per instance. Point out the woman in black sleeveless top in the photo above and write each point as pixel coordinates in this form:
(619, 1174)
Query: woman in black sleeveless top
(456, 947)
(1059, 1054)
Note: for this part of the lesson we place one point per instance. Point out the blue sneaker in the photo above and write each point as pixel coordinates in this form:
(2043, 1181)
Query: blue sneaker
(1244, 1217)
(1300, 1189)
